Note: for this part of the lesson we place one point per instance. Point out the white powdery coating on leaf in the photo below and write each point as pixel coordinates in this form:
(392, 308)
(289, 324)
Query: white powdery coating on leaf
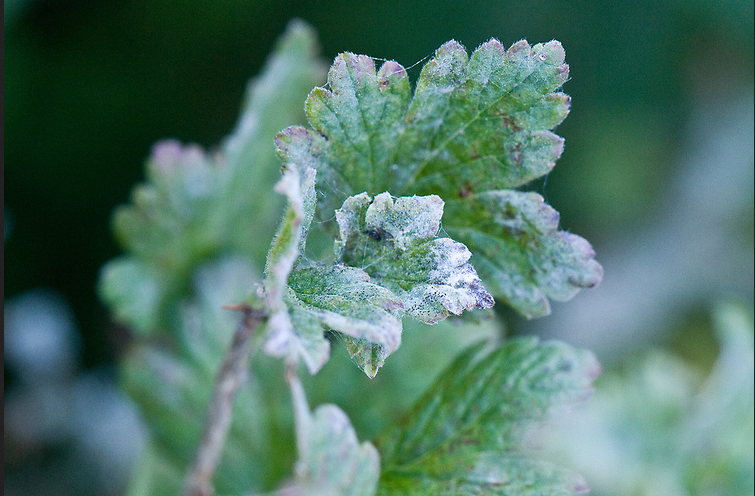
(407, 218)
(348, 216)
(280, 333)
(441, 280)
(386, 332)
(453, 284)
(450, 255)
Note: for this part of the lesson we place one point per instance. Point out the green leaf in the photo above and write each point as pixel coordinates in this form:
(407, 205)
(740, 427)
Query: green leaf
(465, 436)
(343, 299)
(395, 242)
(519, 251)
(196, 206)
(299, 337)
(474, 125)
(331, 460)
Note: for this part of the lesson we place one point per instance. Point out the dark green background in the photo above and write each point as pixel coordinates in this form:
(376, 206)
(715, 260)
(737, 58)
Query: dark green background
(90, 85)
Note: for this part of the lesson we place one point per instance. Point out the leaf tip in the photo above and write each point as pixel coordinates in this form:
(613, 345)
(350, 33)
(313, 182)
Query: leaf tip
(450, 46)
(552, 52)
(494, 44)
(520, 47)
(390, 73)
(592, 272)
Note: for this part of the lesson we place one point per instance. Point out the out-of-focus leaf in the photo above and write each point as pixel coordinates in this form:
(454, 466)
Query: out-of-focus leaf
(475, 125)
(171, 382)
(331, 460)
(135, 293)
(395, 242)
(193, 232)
(465, 436)
(720, 440)
(196, 206)
(654, 430)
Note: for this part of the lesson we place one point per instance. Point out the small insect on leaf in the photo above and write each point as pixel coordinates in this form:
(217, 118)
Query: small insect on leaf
(378, 234)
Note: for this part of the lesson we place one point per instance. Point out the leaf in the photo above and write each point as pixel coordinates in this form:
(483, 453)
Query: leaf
(196, 206)
(302, 338)
(343, 299)
(395, 242)
(306, 302)
(519, 251)
(465, 436)
(474, 125)
(331, 460)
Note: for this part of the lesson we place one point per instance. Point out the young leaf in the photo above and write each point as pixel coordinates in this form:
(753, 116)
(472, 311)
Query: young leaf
(474, 125)
(465, 435)
(331, 460)
(395, 242)
(306, 302)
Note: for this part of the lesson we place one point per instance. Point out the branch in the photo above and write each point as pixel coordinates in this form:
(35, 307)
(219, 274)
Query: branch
(231, 375)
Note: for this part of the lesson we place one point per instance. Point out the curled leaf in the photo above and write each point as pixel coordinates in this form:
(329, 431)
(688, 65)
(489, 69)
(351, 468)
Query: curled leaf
(303, 341)
(394, 241)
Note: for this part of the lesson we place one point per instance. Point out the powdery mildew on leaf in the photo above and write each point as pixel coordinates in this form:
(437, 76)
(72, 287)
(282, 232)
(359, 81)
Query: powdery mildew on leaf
(284, 339)
(343, 299)
(394, 241)
(475, 125)
(519, 248)
(464, 437)
(331, 462)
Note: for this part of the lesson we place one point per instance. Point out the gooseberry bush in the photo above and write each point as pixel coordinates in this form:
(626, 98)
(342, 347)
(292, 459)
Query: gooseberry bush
(404, 205)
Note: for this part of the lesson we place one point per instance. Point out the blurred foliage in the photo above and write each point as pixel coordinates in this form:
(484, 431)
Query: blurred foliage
(656, 428)
(89, 86)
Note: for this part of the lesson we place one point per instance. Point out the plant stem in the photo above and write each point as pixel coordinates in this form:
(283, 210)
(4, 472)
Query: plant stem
(231, 375)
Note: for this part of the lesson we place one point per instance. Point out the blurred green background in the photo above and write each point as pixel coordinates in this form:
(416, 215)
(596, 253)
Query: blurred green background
(657, 171)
